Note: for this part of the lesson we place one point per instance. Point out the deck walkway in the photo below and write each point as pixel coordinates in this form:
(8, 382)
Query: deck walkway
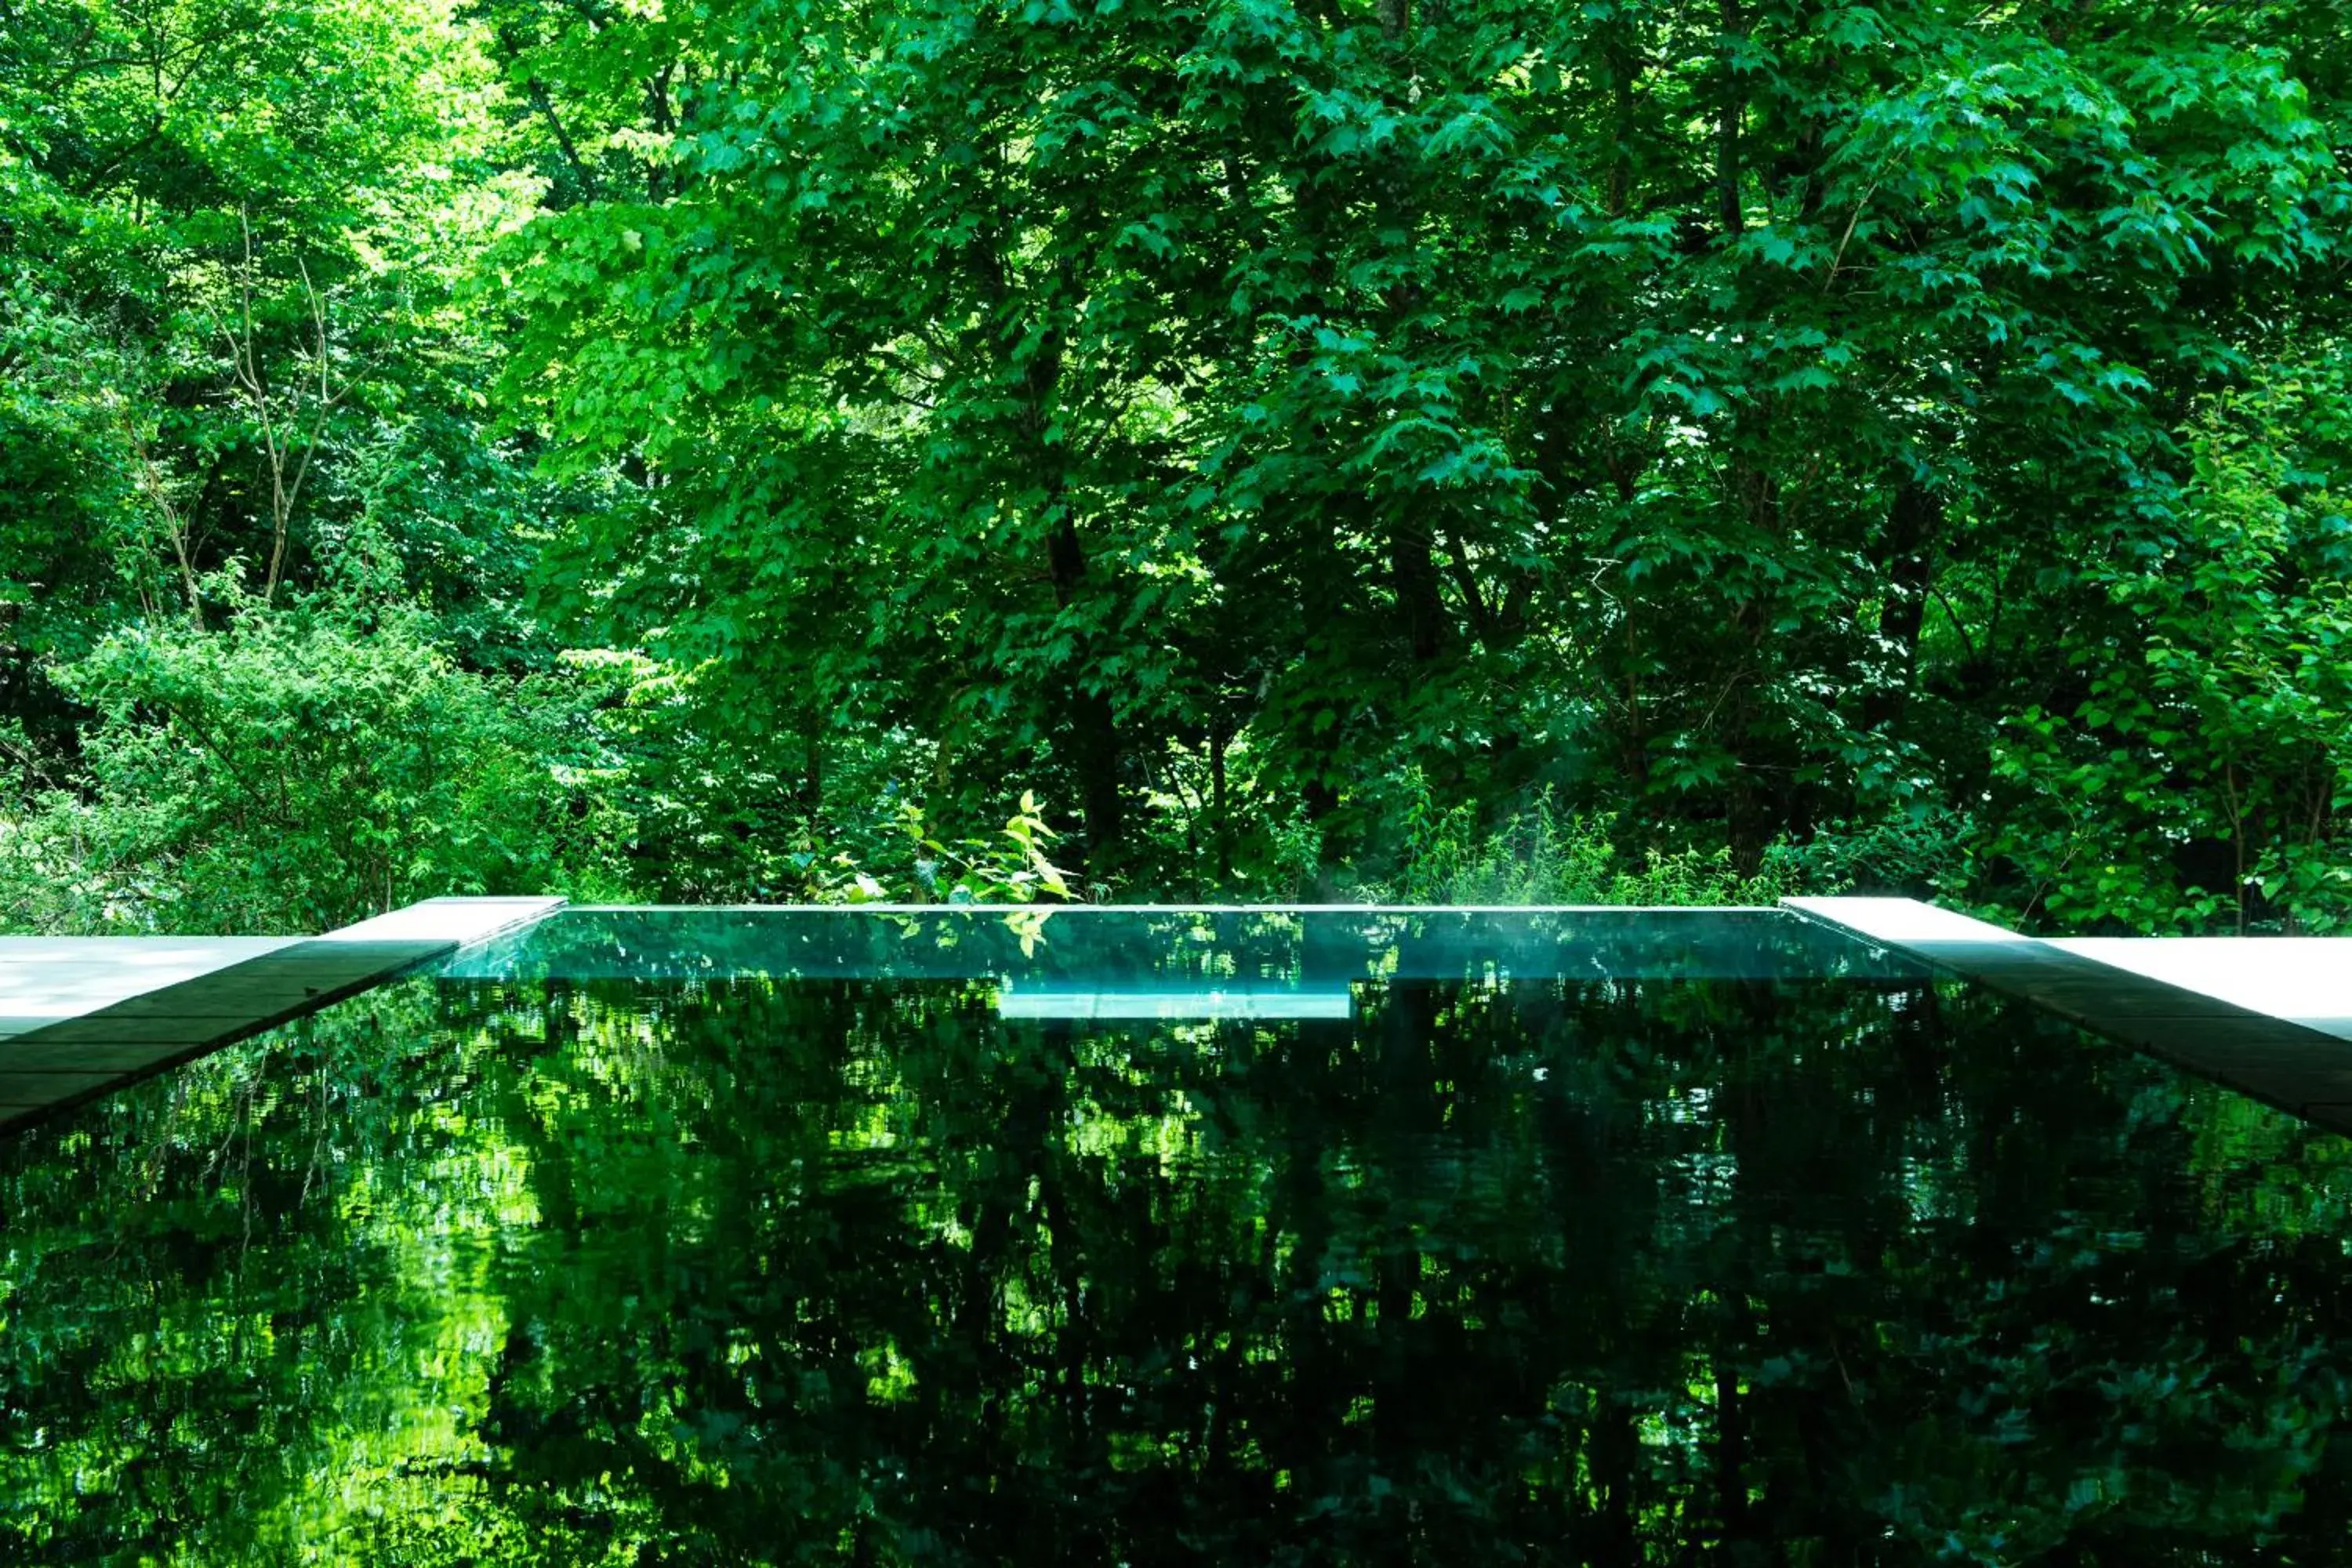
(82, 1017)
(2305, 979)
(2271, 1018)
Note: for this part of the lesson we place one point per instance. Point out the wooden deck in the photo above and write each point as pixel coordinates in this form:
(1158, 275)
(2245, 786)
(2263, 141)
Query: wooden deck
(82, 1017)
(2268, 1017)
(46, 979)
(2305, 979)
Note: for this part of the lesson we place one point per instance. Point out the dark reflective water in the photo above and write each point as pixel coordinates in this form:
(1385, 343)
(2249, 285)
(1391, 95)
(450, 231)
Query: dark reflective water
(1512, 1269)
(1085, 945)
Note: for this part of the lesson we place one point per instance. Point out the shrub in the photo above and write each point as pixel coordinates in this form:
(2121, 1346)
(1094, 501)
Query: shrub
(1541, 854)
(301, 768)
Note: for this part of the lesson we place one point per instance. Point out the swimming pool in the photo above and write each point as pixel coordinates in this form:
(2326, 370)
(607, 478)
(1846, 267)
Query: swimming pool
(1198, 1237)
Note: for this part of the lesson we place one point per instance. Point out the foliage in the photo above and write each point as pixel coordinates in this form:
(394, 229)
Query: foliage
(2218, 714)
(1009, 868)
(1638, 451)
(1770, 433)
(1598, 400)
(1540, 855)
(296, 771)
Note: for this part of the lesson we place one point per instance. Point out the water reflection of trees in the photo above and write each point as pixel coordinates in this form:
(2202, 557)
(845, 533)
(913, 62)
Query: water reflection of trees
(862, 1273)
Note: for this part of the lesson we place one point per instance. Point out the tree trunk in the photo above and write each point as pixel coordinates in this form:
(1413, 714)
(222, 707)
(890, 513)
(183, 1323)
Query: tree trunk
(1908, 562)
(1217, 808)
(1412, 543)
(1089, 716)
(1727, 169)
(1420, 610)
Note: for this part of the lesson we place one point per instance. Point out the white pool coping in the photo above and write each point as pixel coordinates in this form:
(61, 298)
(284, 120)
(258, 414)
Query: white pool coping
(2306, 979)
(45, 980)
(2271, 1018)
(82, 1017)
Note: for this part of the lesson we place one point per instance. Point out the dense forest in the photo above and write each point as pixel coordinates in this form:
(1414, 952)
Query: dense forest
(1634, 450)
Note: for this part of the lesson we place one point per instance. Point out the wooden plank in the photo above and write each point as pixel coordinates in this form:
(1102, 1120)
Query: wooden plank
(2280, 1061)
(285, 980)
(116, 951)
(459, 921)
(38, 1090)
(2305, 979)
(162, 1013)
(46, 979)
(96, 1056)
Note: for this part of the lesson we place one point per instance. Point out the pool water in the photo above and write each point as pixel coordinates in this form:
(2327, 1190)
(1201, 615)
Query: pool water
(1193, 1238)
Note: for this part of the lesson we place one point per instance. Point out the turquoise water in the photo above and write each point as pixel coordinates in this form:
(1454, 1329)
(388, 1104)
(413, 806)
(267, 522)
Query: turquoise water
(1180, 1238)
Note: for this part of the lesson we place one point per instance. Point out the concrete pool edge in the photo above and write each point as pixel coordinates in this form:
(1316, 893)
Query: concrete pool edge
(2284, 1062)
(63, 1061)
(208, 992)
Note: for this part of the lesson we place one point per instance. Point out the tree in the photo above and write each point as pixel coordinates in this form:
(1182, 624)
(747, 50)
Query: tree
(1646, 403)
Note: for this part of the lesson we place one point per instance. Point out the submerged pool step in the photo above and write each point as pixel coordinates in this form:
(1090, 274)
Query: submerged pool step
(2224, 1008)
(90, 1018)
